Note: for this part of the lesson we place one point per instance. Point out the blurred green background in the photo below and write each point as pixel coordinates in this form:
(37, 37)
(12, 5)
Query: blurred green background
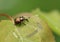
(12, 7)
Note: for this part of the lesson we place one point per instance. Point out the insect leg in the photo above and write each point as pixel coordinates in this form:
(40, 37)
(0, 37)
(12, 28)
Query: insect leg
(27, 20)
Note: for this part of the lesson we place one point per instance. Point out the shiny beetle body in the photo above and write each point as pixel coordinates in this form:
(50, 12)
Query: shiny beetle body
(20, 20)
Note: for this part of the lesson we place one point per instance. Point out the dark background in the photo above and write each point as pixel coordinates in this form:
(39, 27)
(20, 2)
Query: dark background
(13, 7)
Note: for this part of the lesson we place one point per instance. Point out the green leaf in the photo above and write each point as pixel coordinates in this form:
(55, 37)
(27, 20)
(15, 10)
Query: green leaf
(52, 19)
(35, 30)
(6, 29)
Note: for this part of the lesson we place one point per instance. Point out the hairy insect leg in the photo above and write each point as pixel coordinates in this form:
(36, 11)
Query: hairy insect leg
(27, 20)
(23, 23)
